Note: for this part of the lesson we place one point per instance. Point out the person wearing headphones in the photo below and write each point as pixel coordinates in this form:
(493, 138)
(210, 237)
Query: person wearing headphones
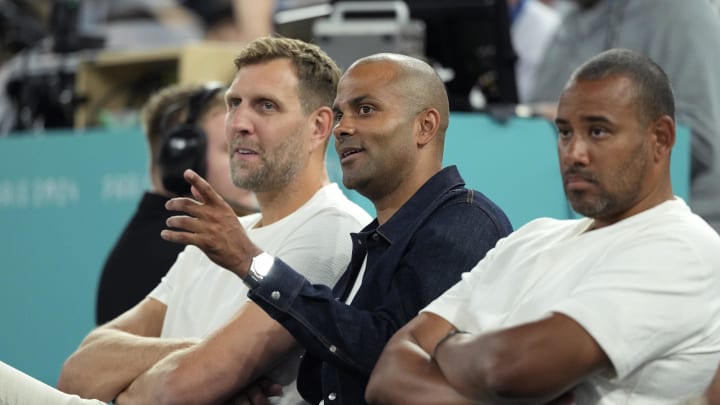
(184, 127)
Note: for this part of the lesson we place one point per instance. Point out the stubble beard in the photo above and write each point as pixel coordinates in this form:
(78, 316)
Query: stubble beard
(628, 181)
(276, 170)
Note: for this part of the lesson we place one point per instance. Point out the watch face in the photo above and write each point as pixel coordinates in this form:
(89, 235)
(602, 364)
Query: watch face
(262, 264)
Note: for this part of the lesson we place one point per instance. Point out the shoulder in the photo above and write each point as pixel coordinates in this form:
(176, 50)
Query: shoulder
(465, 223)
(470, 208)
(674, 226)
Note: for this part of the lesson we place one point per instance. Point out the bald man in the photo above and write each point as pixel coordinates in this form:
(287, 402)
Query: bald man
(391, 114)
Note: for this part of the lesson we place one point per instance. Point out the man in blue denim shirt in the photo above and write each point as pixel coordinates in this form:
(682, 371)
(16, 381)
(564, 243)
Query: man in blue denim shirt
(391, 114)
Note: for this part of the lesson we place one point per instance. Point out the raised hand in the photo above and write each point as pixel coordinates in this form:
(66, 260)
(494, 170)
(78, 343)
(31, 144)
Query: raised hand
(211, 225)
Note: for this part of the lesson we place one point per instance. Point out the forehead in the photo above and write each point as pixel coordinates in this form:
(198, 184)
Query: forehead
(373, 79)
(608, 95)
(273, 77)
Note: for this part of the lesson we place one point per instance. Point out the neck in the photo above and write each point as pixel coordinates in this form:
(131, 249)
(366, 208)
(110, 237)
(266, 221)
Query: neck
(277, 204)
(651, 200)
(387, 205)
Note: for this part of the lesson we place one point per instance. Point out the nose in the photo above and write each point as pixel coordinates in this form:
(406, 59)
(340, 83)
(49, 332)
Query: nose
(238, 121)
(574, 151)
(343, 127)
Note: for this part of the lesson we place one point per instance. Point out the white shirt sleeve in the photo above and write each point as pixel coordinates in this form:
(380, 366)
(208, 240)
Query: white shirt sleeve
(643, 302)
(18, 388)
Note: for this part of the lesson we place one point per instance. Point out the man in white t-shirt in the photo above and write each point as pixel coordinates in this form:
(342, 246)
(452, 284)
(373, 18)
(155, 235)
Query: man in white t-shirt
(184, 342)
(618, 307)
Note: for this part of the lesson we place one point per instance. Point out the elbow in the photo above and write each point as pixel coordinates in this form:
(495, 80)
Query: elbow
(73, 380)
(503, 380)
(68, 375)
(379, 391)
(385, 385)
(501, 383)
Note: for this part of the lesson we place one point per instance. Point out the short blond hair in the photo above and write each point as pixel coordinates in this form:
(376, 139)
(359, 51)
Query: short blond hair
(317, 73)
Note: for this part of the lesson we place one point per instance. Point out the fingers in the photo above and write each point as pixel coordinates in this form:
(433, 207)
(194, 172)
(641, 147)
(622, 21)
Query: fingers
(239, 399)
(567, 398)
(257, 396)
(184, 238)
(121, 398)
(270, 389)
(204, 195)
(184, 222)
(201, 189)
(184, 230)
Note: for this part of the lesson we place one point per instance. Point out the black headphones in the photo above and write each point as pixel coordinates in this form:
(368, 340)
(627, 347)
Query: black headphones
(184, 146)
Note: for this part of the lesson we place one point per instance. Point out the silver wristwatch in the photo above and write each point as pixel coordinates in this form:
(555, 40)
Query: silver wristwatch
(259, 268)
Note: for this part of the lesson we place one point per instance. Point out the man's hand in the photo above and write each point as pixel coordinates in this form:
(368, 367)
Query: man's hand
(211, 225)
(257, 393)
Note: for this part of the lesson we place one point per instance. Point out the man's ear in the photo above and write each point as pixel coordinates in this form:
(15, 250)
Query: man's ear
(663, 130)
(321, 122)
(428, 122)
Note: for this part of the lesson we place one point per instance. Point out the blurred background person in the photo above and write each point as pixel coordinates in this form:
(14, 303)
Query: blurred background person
(127, 21)
(683, 38)
(45, 43)
(532, 25)
(234, 20)
(185, 128)
(92, 24)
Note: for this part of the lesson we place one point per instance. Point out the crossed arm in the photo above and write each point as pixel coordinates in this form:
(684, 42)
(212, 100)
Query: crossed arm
(113, 355)
(533, 363)
(216, 369)
(220, 367)
(126, 361)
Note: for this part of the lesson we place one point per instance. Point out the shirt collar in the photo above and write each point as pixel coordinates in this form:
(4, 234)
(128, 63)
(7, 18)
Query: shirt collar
(413, 209)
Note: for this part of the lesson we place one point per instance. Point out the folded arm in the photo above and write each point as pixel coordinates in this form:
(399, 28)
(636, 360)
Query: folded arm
(406, 373)
(218, 367)
(534, 363)
(113, 355)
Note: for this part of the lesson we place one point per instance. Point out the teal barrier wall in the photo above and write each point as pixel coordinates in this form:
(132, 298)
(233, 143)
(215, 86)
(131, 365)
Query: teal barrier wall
(64, 198)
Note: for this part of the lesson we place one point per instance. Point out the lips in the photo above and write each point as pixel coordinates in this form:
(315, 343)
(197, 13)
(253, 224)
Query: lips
(245, 151)
(346, 152)
(349, 152)
(574, 179)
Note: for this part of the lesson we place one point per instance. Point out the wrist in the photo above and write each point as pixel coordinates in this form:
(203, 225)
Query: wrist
(453, 332)
(241, 267)
(259, 268)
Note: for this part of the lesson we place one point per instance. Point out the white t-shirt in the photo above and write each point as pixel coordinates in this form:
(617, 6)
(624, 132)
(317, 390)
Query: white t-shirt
(646, 289)
(18, 388)
(314, 240)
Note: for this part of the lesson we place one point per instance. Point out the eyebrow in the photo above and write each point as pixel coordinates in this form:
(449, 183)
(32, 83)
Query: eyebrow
(591, 119)
(252, 97)
(353, 101)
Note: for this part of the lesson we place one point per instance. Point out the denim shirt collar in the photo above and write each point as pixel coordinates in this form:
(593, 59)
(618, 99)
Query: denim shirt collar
(413, 210)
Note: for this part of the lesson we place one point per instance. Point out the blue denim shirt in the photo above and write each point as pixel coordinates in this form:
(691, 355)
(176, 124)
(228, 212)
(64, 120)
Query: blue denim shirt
(441, 232)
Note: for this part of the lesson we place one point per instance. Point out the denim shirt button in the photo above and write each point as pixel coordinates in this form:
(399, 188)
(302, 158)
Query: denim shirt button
(275, 295)
(332, 349)
(375, 236)
(332, 396)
